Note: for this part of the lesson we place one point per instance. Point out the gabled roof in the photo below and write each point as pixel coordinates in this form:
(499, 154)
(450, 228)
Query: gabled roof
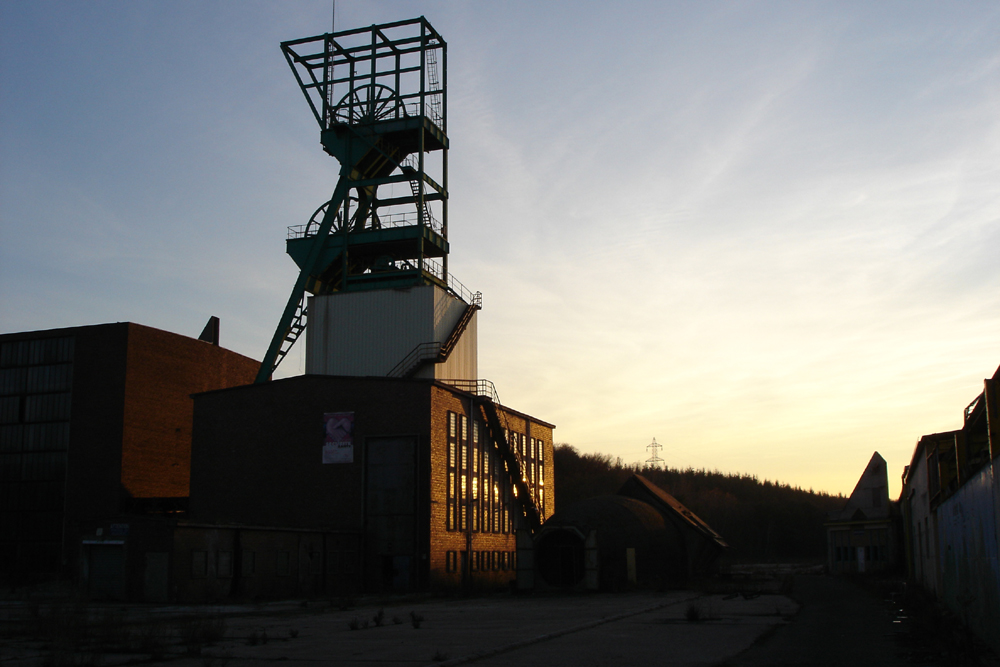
(870, 498)
(640, 488)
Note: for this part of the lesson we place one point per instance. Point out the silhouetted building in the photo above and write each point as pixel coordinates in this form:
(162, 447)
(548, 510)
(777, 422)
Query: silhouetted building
(863, 536)
(642, 536)
(95, 427)
(951, 515)
(417, 495)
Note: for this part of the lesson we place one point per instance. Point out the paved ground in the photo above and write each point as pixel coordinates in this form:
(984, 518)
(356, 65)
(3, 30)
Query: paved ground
(590, 630)
(838, 624)
(824, 621)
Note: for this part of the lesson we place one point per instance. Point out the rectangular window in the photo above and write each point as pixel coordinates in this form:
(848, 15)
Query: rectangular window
(451, 501)
(199, 563)
(451, 509)
(474, 562)
(224, 564)
(249, 563)
(495, 505)
(451, 561)
(10, 410)
(283, 564)
(474, 451)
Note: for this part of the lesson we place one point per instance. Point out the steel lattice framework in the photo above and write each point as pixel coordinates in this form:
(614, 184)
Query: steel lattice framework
(379, 95)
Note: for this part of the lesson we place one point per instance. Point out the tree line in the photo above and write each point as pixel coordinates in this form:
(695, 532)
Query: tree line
(760, 520)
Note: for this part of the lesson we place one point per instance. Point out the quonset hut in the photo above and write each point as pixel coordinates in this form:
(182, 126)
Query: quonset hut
(642, 536)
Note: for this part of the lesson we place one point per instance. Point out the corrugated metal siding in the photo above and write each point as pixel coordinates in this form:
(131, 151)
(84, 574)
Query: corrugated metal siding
(924, 543)
(368, 333)
(970, 569)
(463, 364)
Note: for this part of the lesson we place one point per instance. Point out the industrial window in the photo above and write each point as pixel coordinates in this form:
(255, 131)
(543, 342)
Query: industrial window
(503, 560)
(10, 410)
(474, 449)
(462, 514)
(513, 560)
(224, 564)
(496, 505)
(49, 378)
(541, 451)
(451, 561)
(451, 508)
(283, 564)
(475, 503)
(477, 450)
(474, 562)
(249, 563)
(506, 508)
(34, 352)
(451, 501)
(46, 437)
(199, 563)
(47, 407)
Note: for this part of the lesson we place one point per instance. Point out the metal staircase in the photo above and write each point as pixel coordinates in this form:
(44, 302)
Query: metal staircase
(295, 329)
(488, 402)
(435, 350)
(496, 429)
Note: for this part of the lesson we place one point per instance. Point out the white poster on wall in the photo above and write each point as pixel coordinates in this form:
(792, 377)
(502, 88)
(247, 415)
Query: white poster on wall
(338, 446)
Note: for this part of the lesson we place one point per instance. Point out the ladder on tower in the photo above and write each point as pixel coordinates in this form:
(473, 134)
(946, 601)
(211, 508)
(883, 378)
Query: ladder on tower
(295, 329)
(416, 187)
(434, 85)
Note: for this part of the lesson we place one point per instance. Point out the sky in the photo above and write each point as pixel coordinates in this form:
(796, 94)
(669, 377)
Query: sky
(765, 233)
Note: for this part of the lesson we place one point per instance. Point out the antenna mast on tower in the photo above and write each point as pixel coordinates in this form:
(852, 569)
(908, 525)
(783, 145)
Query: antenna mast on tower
(654, 461)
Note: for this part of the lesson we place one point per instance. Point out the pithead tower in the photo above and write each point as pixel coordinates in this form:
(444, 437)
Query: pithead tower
(373, 281)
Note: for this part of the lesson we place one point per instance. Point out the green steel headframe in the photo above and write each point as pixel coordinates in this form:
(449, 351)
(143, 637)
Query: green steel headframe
(379, 95)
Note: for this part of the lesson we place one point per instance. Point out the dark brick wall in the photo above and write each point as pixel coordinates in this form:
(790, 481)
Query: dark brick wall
(129, 429)
(257, 450)
(256, 461)
(164, 369)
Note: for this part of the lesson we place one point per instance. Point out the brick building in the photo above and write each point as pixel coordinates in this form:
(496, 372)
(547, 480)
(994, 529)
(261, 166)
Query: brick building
(422, 500)
(95, 426)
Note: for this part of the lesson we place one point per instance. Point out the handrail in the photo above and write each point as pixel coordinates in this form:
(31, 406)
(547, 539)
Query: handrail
(419, 354)
(972, 406)
(389, 220)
